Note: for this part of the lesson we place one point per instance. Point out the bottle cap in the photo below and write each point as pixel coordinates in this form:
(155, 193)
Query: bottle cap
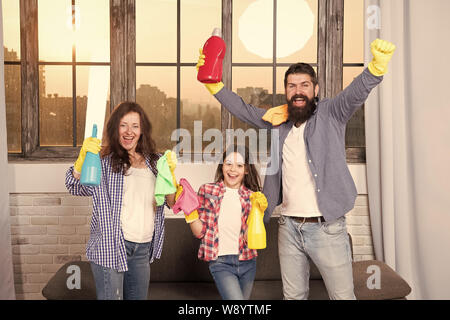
(217, 32)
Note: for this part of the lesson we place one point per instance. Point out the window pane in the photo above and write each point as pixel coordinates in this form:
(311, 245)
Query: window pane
(55, 30)
(55, 106)
(156, 31)
(255, 89)
(156, 93)
(355, 132)
(92, 35)
(82, 98)
(252, 31)
(254, 86)
(197, 104)
(353, 31)
(13, 108)
(297, 31)
(193, 34)
(11, 29)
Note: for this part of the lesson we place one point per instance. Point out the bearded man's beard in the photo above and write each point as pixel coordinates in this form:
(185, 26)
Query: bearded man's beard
(299, 115)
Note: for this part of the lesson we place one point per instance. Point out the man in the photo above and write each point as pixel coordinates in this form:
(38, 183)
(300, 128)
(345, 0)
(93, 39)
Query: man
(313, 183)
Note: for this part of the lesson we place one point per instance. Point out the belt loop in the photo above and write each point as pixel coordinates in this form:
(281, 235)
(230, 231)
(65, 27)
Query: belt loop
(320, 221)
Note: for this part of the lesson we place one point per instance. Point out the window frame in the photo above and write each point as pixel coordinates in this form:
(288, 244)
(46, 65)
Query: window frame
(123, 67)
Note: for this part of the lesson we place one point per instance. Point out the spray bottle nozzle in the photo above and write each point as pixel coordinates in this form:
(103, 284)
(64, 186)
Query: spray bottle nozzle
(94, 131)
(217, 32)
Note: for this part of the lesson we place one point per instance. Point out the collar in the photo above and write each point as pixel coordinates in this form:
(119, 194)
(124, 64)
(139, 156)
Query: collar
(243, 191)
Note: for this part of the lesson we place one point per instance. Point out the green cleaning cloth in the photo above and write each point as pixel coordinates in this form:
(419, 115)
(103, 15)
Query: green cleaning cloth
(164, 181)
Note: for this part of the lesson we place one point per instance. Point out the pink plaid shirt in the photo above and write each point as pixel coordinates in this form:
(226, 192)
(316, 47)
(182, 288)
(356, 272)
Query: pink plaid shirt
(210, 196)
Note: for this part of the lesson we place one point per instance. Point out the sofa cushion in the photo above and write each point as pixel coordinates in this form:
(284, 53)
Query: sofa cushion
(179, 262)
(390, 285)
(64, 286)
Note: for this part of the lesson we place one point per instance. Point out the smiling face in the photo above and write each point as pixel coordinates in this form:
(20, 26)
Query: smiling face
(130, 131)
(233, 170)
(300, 94)
(299, 89)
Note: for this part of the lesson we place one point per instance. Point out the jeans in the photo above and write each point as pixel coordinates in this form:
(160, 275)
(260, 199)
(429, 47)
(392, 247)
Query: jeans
(327, 245)
(129, 285)
(233, 278)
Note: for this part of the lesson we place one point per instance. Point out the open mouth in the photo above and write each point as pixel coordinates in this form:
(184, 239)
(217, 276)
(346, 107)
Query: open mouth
(298, 100)
(127, 140)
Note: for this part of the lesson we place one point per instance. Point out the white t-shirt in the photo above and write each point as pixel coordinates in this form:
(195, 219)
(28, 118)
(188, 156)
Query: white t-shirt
(229, 223)
(138, 214)
(299, 194)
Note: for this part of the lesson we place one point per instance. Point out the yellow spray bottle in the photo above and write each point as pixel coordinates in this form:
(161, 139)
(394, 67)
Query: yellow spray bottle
(256, 229)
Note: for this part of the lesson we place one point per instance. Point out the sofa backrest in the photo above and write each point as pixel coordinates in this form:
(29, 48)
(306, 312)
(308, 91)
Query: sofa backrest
(179, 262)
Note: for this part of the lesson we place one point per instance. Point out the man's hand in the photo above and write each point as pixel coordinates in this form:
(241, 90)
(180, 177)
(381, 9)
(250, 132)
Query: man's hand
(382, 53)
(213, 88)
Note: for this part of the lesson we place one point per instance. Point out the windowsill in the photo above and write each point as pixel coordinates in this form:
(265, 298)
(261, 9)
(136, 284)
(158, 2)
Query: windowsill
(48, 177)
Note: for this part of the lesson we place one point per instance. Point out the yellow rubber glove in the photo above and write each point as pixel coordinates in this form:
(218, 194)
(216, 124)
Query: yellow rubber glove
(89, 145)
(191, 217)
(172, 162)
(382, 53)
(213, 88)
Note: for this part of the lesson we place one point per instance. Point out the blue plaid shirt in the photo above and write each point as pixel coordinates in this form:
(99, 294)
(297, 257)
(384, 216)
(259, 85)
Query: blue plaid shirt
(106, 246)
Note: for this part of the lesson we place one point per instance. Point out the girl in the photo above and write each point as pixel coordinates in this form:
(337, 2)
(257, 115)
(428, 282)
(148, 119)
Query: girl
(222, 224)
(127, 229)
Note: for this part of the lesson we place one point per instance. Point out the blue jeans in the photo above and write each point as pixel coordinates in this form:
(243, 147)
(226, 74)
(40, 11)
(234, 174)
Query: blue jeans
(327, 245)
(233, 278)
(129, 285)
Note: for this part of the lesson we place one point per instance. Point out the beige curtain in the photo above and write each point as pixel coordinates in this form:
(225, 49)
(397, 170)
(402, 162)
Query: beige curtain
(408, 143)
(6, 267)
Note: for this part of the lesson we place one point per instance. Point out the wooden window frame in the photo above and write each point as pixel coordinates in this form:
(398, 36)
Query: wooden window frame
(123, 67)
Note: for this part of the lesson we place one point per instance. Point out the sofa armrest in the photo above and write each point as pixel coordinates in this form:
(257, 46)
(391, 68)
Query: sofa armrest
(73, 281)
(375, 280)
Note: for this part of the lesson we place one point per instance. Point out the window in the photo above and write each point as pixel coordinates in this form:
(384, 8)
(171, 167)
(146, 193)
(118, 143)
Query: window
(73, 40)
(11, 39)
(353, 65)
(150, 48)
(165, 67)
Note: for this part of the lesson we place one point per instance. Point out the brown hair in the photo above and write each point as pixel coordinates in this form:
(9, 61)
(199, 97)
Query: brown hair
(120, 160)
(251, 178)
(301, 68)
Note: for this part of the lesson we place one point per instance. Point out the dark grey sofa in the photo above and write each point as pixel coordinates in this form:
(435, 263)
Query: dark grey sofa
(179, 275)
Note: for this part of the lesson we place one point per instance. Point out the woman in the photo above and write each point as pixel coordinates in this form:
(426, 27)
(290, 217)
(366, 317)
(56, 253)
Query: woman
(127, 229)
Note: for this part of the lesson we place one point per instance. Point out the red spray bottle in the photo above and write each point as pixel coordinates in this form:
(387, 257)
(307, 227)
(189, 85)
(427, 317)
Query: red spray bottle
(214, 51)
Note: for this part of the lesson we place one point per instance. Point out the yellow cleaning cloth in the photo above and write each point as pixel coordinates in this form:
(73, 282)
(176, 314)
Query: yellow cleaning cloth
(276, 115)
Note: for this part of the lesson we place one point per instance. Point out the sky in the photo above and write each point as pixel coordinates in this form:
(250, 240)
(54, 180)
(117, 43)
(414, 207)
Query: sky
(156, 39)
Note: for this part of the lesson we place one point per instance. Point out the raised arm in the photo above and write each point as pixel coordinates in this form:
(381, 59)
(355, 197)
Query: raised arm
(235, 104)
(345, 103)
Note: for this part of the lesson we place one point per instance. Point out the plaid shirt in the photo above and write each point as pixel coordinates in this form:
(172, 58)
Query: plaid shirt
(106, 246)
(210, 196)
